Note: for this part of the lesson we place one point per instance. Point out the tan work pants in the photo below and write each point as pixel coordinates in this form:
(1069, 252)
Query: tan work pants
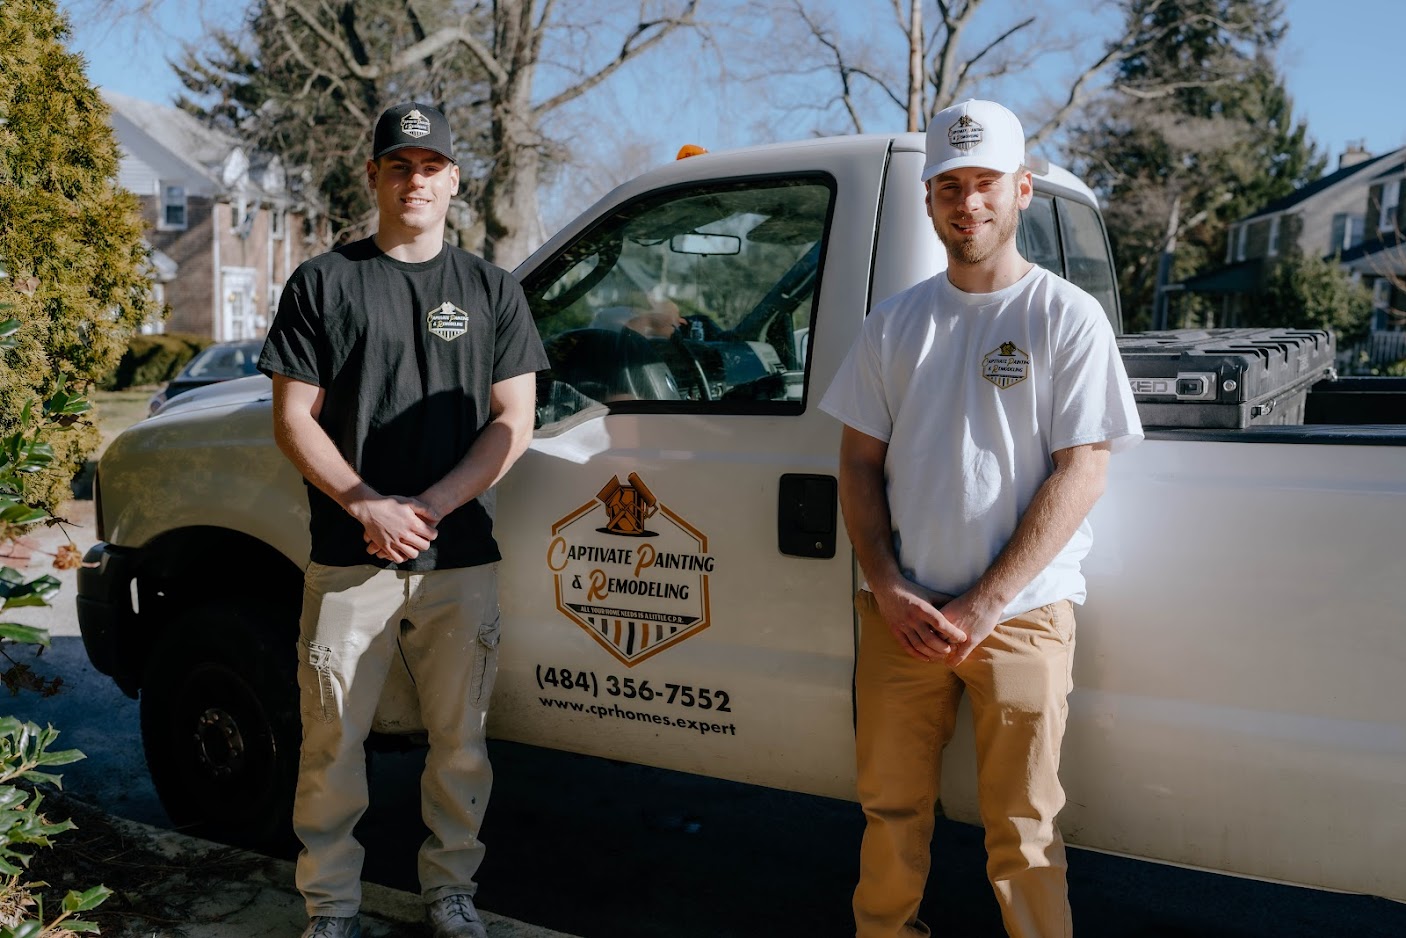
(1019, 680)
(356, 620)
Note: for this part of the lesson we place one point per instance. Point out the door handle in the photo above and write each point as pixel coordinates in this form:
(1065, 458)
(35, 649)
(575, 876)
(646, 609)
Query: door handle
(806, 511)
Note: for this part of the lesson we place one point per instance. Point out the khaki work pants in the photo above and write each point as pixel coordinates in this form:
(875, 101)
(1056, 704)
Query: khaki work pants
(1019, 680)
(443, 626)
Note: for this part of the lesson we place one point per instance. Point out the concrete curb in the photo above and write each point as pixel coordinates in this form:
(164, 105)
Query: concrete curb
(239, 894)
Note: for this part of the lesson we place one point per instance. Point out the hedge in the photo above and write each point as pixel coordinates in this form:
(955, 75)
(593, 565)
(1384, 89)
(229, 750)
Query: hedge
(152, 359)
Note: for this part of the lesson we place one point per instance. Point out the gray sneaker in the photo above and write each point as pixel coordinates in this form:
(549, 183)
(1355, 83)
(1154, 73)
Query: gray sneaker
(455, 917)
(327, 926)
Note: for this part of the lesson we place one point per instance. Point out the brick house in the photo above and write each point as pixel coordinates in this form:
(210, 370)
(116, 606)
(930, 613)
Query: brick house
(224, 228)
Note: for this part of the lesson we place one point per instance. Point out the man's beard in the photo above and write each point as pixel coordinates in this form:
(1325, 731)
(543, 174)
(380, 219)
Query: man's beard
(977, 248)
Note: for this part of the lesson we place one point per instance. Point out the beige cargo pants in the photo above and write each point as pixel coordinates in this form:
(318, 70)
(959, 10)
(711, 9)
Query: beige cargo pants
(356, 621)
(1019, 680)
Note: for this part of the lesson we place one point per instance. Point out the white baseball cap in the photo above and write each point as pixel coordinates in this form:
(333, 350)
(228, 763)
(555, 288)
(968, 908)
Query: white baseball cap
(974, 133)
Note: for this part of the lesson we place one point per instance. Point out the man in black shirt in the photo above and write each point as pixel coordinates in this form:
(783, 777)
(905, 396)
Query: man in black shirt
(404, 385)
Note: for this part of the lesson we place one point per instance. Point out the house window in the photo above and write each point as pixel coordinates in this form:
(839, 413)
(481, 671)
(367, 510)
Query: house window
(1230, 244)
(1391, 199)
(1347, 232)
(173, 207)
(238, 211)
(278, 223)
(1381, 293)
(1274, 236)
(1241, 236)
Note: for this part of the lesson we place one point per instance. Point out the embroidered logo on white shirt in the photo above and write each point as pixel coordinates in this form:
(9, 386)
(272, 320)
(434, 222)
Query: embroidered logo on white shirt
(1005, 366)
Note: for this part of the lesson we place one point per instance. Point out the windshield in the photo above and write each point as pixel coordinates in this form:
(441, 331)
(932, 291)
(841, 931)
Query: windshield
(224, 361)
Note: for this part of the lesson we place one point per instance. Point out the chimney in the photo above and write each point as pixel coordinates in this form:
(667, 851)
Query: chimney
(1355, 153)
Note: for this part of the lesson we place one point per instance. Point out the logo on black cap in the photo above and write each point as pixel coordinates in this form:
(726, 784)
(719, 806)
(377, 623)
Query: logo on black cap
(412, 124)
(415, 124)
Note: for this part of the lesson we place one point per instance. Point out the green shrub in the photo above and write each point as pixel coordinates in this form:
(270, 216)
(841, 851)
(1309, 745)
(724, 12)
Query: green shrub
(152, 359)
(25, 453)
(69, 237)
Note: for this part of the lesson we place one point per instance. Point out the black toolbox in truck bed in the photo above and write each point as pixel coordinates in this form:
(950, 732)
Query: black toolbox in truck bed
(1225, 378)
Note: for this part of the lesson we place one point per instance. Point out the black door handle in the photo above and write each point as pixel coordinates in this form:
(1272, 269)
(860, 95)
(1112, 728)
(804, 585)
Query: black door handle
(806, 512)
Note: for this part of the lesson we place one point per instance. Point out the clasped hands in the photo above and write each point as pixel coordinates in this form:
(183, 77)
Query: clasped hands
(395, 527)
(934, 626)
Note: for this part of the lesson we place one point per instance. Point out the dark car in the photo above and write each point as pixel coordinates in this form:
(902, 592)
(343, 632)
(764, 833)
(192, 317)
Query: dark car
(220, 362)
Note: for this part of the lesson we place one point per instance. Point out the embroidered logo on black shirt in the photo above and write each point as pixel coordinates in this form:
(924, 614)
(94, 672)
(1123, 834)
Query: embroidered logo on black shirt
(448, 321)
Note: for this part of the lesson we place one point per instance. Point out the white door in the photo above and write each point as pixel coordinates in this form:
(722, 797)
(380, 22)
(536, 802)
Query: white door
(675, 589)
(238, 315)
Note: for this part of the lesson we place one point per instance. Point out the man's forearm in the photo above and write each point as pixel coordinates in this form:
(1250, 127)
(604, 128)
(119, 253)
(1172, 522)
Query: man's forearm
(498, 446)
(864, 505)
(489, 458)
(311, 451)
(1053, 516)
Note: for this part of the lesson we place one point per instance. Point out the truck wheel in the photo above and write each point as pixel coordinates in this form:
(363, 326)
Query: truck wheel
(220, 726)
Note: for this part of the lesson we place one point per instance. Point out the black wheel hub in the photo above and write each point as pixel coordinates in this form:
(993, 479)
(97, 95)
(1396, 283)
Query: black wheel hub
(219, 744)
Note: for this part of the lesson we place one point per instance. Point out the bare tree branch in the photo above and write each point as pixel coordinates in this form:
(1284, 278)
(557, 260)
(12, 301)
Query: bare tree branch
(971, 62)
(629, 49)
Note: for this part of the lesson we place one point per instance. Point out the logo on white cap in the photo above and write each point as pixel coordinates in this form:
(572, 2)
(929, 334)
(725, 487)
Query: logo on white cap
(965, 135)
(980, 134)
(415, 124)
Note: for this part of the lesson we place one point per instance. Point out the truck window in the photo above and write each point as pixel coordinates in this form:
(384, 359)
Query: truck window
(1086, 256)
(1036, 237)
(693, 300)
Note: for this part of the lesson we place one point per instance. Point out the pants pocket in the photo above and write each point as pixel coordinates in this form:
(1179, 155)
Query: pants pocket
(316, 684)
(485, 666)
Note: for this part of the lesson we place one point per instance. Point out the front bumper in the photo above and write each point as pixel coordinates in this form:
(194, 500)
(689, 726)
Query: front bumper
(106, 618)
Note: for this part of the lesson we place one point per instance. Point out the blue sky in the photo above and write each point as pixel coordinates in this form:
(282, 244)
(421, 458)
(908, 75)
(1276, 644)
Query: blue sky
(1342, 61)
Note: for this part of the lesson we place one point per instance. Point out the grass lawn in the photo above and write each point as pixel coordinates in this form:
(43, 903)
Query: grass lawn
(115, 411)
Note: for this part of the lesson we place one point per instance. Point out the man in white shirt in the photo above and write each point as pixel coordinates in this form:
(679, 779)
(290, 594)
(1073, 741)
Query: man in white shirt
(980, 409)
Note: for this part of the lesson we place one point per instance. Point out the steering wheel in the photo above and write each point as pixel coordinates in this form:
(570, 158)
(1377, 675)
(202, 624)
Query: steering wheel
(680, 347)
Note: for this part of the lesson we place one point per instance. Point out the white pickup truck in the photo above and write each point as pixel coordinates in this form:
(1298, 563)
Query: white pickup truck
(676, 585)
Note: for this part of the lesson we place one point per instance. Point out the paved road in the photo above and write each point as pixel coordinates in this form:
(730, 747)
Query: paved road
(608, 850)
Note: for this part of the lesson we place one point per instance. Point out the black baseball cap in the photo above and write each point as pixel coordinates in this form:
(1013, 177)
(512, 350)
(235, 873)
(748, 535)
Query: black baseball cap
(413, 125)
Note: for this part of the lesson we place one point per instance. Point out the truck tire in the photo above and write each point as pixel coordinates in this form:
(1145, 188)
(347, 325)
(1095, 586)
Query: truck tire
(220, 726)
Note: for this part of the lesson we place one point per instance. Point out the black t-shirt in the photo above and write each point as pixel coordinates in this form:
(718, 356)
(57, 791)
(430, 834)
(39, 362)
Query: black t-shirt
(405, 354)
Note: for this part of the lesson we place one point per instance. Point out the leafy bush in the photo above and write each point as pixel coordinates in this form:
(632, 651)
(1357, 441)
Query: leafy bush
(70, 238)
(24, 747)
(152, 359)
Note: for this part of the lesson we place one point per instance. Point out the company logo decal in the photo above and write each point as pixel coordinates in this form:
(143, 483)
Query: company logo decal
(448, 321)
(1005, 366)
(415, 124)
(966, 134)
(630, 572)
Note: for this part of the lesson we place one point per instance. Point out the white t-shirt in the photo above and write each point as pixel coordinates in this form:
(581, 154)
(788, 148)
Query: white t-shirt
(973, 392)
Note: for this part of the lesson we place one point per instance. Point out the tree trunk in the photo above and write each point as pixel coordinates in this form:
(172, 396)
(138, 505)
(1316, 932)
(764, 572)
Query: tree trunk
(508, 204)
(917, 83)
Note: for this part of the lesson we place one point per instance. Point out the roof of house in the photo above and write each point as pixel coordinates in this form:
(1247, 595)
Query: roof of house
(1377, 165)
(1392, 247)
(204, 151)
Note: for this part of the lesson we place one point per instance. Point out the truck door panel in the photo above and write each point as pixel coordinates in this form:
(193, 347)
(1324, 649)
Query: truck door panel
(650, 613)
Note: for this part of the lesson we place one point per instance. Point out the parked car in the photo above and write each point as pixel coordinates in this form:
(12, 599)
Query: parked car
(220, 362)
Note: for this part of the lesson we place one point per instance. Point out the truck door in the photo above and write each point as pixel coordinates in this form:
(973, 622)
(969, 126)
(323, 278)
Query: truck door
(676, 590)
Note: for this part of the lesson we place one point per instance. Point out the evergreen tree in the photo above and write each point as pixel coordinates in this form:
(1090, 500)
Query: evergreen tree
(70, 240)
(1195, 131)
(282, 89)
(1312, 293)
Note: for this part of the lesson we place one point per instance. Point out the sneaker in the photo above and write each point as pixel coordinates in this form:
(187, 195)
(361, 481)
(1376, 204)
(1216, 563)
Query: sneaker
(455, 917)
(327, 926)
